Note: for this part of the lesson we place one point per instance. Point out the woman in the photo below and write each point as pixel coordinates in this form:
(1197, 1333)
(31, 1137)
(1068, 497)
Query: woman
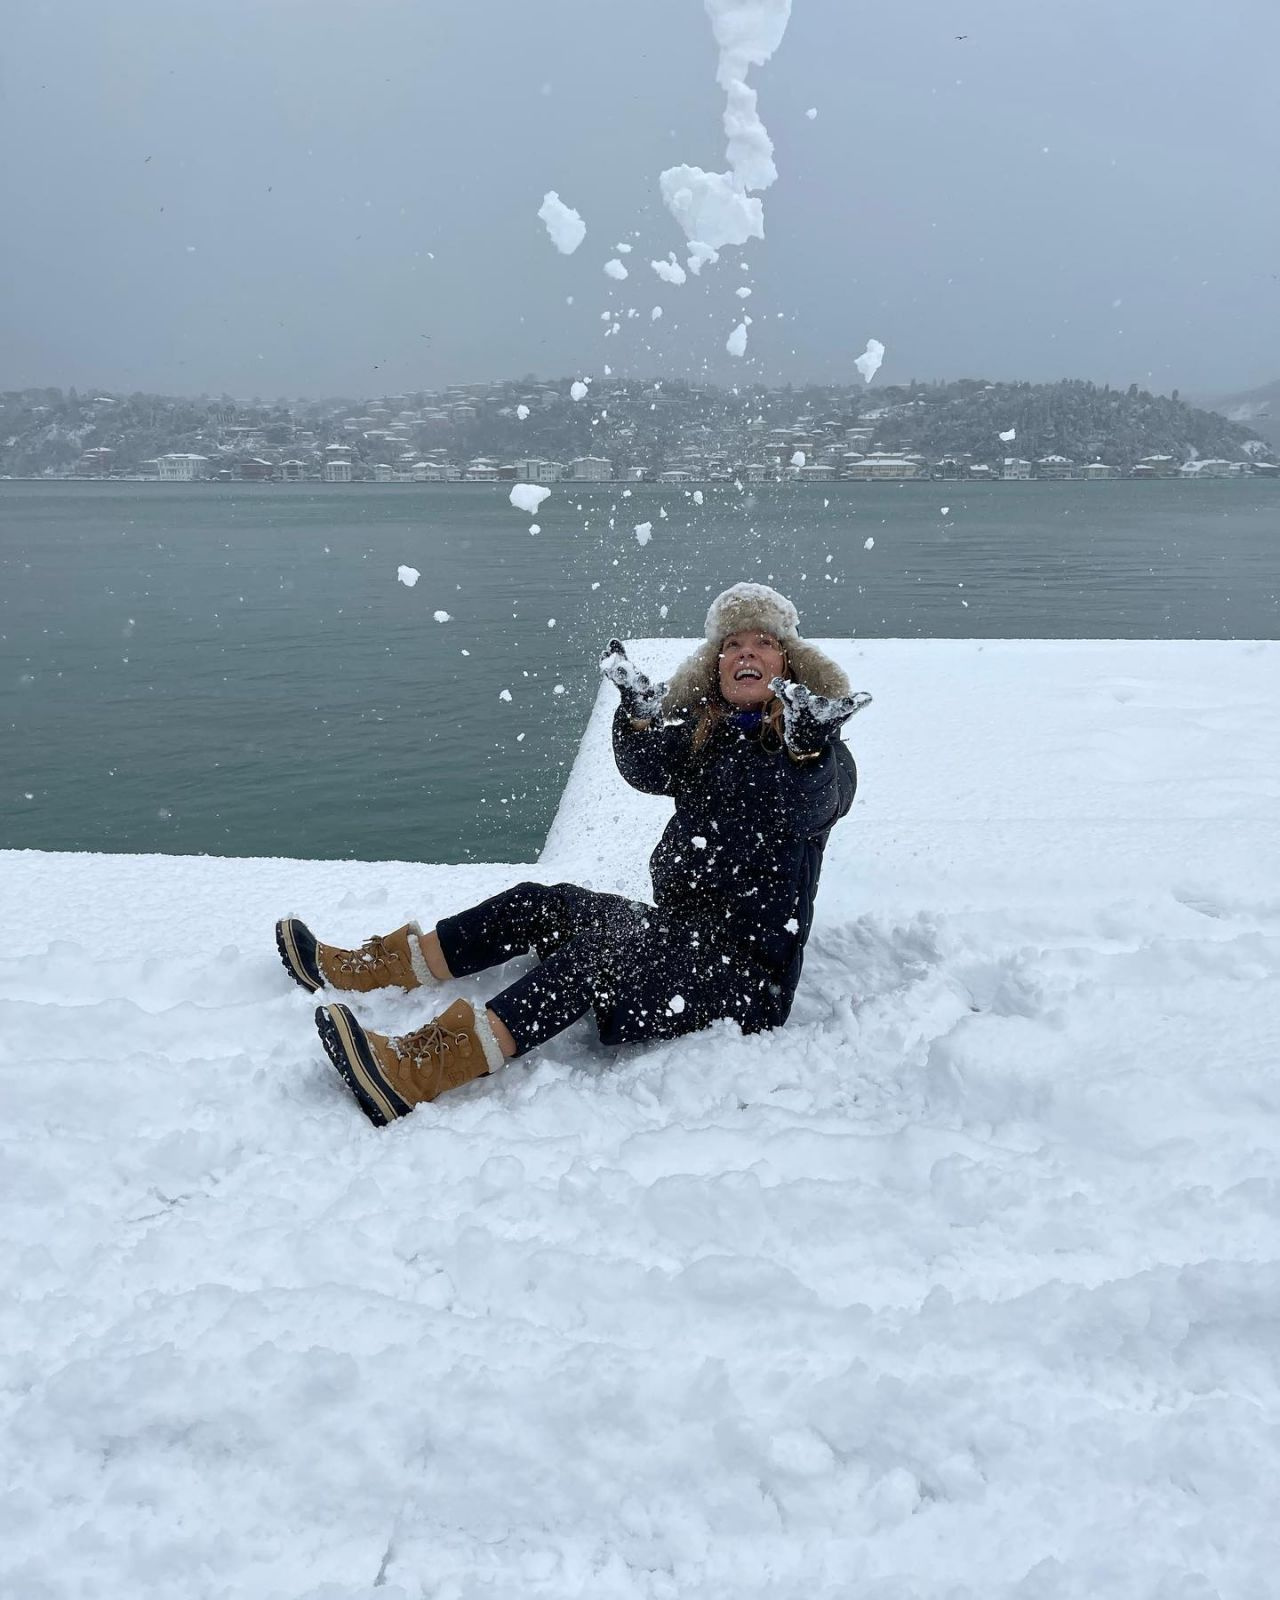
(746, 740)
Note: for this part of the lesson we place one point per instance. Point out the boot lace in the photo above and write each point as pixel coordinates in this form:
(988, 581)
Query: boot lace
(372, 953)
(433, 1040)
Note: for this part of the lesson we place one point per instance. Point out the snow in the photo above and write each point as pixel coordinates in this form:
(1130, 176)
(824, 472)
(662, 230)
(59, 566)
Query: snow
(578, 389)
(615, 269)
(736, 343)
(962, 1286)
(697, 497)
(528, 496)
(522, 411)
(504, 694)
(644, 532)
(812, 113)
(565, 227)
(408, 576)
(1009, 436)
(868, 363)
(742, 292)
(797, 460)
(868, 544)
(670, 271)
(946, 511)
(442, 616)
(656, 314)
(711, 208)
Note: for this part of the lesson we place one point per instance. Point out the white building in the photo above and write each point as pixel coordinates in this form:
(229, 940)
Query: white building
(1056, 467)
(337, 471)
(591, 469)
(1098, 471)
(181, 467)
(886, 466)
(383, 472)
(1013, 468)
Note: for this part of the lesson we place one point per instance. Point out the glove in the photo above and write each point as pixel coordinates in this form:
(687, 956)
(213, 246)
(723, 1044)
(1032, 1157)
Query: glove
(809, 720)
(641, 699)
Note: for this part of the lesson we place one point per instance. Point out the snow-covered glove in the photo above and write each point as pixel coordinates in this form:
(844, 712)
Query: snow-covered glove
(809, 720)
(641, 698)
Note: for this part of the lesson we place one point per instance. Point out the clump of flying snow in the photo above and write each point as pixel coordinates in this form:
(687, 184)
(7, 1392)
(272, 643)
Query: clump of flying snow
(565, 227)
(797, 460)
(408, 576)
(528, 496)
(736, 343)
(442, 616)
(670, 271)
(715, 208)
(644, 532)
(1009, 435)
(697, 497)
(811, 113)
(504, 694)
(578, 389)
(868, 544)
(522, 411)
(615, 269)
(655, 314)
(868, 363)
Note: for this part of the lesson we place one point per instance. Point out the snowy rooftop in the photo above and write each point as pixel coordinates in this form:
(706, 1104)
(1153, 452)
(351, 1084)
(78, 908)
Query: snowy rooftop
(964, 1284)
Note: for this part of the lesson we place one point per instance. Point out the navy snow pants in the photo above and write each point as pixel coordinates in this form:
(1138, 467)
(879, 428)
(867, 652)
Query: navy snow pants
(647, 974)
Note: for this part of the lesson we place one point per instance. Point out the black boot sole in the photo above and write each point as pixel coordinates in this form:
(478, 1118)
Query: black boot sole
(297, 947)
(347, 1048)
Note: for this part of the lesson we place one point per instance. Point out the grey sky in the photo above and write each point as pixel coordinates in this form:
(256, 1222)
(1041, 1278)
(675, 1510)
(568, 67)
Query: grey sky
(242, 195)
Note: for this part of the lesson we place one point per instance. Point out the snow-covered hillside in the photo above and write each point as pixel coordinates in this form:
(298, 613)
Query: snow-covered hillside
(964, 1286)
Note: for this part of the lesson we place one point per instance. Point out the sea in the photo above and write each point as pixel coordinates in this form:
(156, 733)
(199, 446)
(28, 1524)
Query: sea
(242, 670)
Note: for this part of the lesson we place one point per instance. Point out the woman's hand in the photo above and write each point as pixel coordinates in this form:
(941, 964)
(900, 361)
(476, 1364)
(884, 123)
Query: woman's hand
(809, 720)
(641, 698)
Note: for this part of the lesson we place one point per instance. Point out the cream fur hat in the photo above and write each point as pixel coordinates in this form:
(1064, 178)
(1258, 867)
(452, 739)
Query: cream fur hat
(756, 607)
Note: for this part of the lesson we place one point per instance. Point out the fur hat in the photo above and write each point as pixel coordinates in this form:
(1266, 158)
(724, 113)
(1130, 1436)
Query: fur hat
(756, 607)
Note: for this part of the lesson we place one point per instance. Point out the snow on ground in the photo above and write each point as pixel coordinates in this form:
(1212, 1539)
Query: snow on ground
(963, 1286)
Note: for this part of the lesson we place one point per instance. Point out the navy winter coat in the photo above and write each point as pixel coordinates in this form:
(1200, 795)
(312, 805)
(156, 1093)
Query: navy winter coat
(743, 851)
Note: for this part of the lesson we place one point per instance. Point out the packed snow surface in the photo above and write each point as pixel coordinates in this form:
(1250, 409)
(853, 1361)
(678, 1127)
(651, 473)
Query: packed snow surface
(868, 363)
(565, 227)
(528, 496)
(962, 1286)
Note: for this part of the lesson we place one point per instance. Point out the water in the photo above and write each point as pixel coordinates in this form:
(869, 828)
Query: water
(235, 669)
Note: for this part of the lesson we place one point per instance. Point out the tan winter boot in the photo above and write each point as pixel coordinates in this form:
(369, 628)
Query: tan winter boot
(389, 961)
(391, 1076)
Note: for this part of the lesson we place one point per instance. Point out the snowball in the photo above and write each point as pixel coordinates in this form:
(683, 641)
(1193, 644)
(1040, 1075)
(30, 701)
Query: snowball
(791, 925)
(676, 1004)
(578, 389)
(869, 544)
(736, 343)
(868, 363)
(697, 497)
(698, 842)
(1009, 437)
(655, 313)
(551, 622)
(623, 249)
(644, 532)
(559, 689)
(534, 528)
(528, 496)
(811, 113)
(711, 208)
(797, 460)
(565, 227)
(408, 576)
(945, 510)
(662, 611)
(504, 694)
(522, 412)
(442, 616)
(615, 269)
(742, 292)
(670, 271)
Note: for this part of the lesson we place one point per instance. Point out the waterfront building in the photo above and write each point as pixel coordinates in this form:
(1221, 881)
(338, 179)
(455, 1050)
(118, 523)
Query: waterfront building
(874, 468)
(533, 469)
(1014, 469)
(337, 471)
(181, 466)
(293, 471)
(1099, 471)
(1052, 467)
(382, 472)
(591, 469)
(1156, 467)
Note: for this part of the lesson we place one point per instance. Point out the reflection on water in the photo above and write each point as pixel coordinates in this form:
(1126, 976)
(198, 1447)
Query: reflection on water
(236, 670)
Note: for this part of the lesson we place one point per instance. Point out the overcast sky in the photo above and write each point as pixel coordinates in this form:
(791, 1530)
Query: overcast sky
(311, 197)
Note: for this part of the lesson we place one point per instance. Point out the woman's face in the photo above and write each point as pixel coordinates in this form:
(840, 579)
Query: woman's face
(748, 661)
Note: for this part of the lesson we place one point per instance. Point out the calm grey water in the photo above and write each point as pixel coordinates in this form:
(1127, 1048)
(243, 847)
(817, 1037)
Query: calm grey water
(236, 669)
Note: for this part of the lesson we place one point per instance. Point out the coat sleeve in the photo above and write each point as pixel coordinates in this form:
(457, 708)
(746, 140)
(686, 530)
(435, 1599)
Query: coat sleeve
(811, 796)
(650, 758)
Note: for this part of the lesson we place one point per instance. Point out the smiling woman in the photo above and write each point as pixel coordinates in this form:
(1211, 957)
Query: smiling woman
(735, 876)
